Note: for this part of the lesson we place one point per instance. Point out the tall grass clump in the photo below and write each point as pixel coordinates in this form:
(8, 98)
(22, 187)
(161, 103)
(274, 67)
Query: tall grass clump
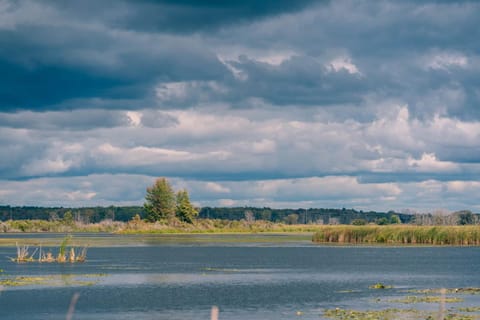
(65, 254)
(399, 234)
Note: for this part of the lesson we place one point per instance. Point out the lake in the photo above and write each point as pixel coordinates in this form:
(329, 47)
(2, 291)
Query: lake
(246, 276)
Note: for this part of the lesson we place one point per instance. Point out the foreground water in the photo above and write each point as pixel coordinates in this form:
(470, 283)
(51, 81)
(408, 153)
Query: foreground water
(247, 277)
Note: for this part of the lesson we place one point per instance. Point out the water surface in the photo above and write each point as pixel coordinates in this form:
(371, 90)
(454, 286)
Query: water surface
(247, 277)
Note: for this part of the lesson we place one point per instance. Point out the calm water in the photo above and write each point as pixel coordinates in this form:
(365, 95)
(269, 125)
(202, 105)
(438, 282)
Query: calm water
(264, 277)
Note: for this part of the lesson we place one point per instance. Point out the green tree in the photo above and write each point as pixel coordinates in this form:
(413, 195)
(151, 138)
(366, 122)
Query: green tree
(292, 218)
(266, 215)
(465, 217)
(383, 221)
(359, 222)
(185, 211)
(68, 218)
(159, 201)
(394, 219)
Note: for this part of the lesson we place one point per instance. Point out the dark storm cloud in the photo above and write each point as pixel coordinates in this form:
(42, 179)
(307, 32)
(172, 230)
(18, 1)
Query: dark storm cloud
(298, 80)
(181, 16)
(121, 51)
(43, 64)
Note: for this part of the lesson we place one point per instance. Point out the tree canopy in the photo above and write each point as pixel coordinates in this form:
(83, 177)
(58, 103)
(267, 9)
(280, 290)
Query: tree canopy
(160, 201)
(185, 210)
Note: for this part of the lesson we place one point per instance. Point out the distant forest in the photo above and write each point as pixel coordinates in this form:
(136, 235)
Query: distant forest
(289, 216)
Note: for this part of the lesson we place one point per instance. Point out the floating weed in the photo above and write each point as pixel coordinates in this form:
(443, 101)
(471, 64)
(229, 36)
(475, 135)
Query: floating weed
(469, 290)
(469, 309)
(390, 314)
(52, 280)
(386, 314)
(464, 290)
(347, 291)
(23, 281)
(380, 285)
(427, 299)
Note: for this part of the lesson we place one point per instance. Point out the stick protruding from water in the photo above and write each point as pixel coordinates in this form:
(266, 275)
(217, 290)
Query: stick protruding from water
(214, 313)
(71, 308)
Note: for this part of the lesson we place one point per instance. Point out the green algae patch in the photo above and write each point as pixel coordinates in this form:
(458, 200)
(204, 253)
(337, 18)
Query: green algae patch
(391, 314)
(465, 291)
(52, 280)
(380, 285)
(385, 314)
(427, 299)
(469, 309)
(23, 281)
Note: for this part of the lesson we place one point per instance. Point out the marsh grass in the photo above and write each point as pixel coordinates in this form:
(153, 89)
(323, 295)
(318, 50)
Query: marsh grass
(212, 226)
(23, 254)
(399, 234)
(167, 226)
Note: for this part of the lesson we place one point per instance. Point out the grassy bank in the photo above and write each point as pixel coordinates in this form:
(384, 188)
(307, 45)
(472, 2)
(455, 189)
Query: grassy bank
(399, 234)
(14, 226)
(212, 226)
(161, 227)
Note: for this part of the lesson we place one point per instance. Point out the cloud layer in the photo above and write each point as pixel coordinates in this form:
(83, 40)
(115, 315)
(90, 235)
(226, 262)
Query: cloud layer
(276, 103)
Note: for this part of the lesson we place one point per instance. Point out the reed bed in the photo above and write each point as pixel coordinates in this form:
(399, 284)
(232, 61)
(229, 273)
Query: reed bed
(399, 234)
(64, 255)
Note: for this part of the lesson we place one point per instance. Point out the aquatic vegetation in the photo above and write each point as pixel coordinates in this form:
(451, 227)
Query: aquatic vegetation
(22, 281)
(391, 314)
(52, 280)
(385, 314)
(399, 234)
(380, 285)
(23, 254)
(468, 290)
(427, 299)
(73, 256)
(469, 309)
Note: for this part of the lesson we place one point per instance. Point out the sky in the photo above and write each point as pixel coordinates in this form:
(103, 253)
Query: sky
(372, 105)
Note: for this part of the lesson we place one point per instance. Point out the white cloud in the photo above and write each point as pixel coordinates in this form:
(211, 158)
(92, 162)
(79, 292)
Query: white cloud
(445, 60)
(135, 118)
(138, 156)
(429, 163)
(172, 90)
(47, 166)
(216, 187)
(343, 63)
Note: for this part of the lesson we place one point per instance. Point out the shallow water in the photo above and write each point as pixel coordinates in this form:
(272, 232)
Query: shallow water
(247, 277)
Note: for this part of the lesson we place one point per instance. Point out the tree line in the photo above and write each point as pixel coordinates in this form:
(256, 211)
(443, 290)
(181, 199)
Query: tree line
(163, 203)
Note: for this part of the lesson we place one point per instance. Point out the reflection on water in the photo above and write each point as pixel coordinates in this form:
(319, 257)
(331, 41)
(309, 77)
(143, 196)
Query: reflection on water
(260, 277)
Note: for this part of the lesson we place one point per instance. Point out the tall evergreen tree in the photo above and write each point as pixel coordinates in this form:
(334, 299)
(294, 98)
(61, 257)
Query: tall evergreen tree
(160, 201)
(185, 211)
